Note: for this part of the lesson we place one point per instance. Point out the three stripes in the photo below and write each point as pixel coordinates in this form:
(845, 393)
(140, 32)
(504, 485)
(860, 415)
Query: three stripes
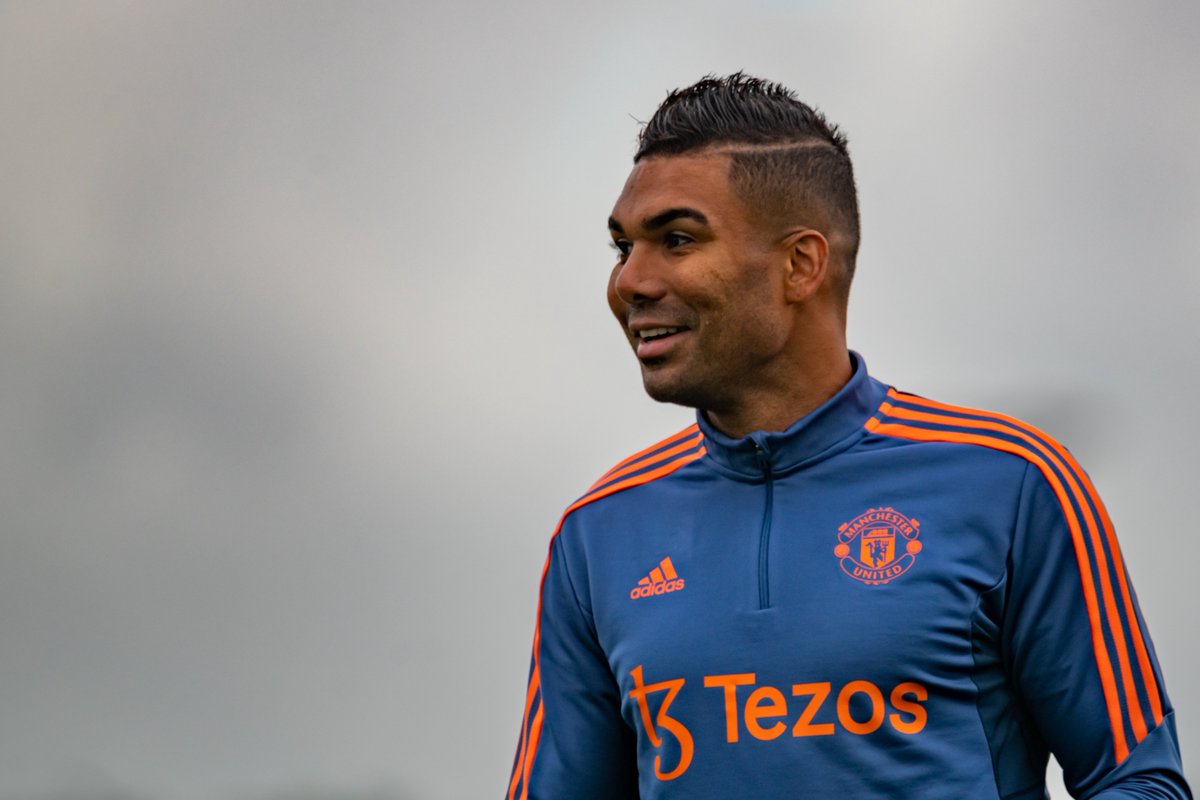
(1128, 692)
(644, 466)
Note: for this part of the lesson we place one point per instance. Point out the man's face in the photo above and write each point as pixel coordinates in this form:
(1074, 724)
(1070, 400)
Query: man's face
(698, 287)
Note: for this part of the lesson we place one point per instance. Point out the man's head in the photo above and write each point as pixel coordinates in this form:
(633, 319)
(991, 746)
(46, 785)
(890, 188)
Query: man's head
(736, 233)
(789, 165)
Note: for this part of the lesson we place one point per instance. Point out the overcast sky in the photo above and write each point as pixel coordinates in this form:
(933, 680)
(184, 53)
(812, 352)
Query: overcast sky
(303, 343)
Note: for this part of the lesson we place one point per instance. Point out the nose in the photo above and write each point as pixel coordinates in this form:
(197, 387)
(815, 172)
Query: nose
(637, 280)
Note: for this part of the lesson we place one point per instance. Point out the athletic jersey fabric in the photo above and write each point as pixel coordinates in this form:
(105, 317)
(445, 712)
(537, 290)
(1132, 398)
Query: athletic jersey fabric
(892, 598)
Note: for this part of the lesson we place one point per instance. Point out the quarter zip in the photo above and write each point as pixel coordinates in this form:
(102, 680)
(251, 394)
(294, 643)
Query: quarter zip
(764, 536)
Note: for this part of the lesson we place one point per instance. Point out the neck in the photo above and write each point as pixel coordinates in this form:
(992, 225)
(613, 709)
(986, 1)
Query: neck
(814, 378)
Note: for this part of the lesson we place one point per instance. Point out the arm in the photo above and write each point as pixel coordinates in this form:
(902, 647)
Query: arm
(573, 741)
(1077, 648)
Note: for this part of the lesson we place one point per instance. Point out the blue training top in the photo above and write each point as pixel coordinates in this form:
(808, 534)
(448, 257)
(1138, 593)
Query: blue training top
(892, 598)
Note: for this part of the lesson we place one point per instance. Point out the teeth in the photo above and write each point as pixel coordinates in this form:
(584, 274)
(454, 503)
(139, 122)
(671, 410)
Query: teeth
(652, 332)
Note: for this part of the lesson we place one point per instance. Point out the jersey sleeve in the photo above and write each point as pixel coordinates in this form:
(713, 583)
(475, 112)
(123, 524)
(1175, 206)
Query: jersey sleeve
(1078, 652)
(573, 741)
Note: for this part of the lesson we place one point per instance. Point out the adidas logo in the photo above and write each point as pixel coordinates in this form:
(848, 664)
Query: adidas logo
(662, 579)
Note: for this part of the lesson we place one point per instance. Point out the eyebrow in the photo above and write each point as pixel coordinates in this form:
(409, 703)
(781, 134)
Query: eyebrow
(661, 219)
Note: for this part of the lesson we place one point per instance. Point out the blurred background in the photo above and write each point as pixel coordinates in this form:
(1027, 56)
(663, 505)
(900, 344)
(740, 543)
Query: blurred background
(303, 344)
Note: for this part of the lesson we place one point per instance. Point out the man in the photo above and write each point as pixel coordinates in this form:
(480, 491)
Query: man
(826, 586)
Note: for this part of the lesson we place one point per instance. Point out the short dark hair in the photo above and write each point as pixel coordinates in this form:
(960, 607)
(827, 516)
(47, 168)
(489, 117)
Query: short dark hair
(788, 162)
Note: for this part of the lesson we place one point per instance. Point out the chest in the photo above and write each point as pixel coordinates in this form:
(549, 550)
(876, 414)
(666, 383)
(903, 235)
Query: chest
(864, 572)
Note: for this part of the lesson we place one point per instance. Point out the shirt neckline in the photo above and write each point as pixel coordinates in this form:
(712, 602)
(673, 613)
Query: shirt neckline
(808, 439)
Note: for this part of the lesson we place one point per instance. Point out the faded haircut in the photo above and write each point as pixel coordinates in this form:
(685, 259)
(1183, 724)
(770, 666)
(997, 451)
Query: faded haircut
(789, 164)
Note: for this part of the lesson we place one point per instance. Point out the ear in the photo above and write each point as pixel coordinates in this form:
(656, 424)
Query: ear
(808, 252)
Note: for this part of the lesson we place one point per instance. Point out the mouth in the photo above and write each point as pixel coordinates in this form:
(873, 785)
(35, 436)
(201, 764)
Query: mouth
(650, 334)
(653, 343)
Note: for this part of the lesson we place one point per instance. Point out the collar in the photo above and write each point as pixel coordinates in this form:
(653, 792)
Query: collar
(830, 428)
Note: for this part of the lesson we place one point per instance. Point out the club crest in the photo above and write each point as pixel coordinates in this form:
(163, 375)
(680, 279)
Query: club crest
(878, 545)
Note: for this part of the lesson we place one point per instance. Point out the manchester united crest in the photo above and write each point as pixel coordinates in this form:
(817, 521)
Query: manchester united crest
(878, 545)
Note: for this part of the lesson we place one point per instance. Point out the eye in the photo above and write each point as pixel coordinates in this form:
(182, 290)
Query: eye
(622, 247)
(676, 239)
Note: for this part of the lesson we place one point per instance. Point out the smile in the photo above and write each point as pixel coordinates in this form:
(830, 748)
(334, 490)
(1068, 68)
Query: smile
(658, 343)
(656, 333)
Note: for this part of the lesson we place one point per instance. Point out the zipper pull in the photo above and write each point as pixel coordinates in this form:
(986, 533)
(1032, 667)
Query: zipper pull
(762, 456)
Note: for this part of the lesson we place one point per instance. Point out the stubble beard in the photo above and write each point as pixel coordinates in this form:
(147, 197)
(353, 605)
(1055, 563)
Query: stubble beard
(706, 393)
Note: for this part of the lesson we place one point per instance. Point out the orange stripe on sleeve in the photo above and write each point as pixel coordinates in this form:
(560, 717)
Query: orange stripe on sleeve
(634, 466)
(1107, 681)
(636, 480)
(535, 733)
(1093, 530)
(688, 431)
(1143, 657)
(1118, 566)
(531, 729)
(522, 744)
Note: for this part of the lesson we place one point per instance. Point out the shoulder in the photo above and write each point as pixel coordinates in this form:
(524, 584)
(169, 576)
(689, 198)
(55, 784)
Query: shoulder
(914, 418)
(911, 418)
(648, 465)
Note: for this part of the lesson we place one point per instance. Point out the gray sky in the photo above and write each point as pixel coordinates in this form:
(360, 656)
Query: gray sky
(304, 347)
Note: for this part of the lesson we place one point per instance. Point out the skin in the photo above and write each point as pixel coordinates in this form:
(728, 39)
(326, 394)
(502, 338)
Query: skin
(762, 337)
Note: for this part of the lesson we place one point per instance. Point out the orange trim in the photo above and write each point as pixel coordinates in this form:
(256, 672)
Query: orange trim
(535, 732)
(1143, 657)
(534, 679)
(512, 784)
(1093, 529)
(636, 480)
(636, 465)
(693, 428)
(1107, 681)
(531, 730)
